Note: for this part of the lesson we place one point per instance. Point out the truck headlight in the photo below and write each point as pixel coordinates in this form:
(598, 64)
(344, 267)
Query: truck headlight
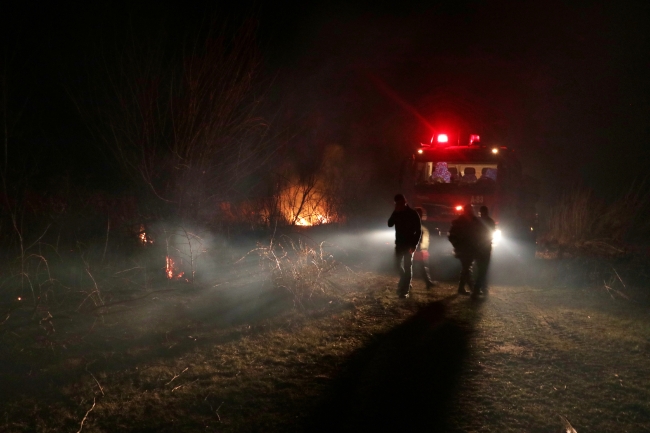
(496, 235)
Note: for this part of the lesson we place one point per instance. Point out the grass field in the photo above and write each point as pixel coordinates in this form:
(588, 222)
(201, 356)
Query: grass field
(528, 358)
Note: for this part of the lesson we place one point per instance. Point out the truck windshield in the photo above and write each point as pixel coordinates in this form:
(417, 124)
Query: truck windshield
(445, 175)
(455, 172)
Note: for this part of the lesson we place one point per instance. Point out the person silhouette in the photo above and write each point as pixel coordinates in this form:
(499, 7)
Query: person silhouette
(408, 231)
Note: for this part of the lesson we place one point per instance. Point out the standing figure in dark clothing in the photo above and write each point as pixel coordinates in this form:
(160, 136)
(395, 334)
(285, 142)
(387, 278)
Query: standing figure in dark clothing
(421, 256)
(463, 237)
(486, 228)
(407, 237)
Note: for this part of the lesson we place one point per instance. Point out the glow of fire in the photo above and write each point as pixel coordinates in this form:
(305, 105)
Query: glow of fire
(142, 236)
(170, 269)
(305, 208)
(315, 220)
(300, 221)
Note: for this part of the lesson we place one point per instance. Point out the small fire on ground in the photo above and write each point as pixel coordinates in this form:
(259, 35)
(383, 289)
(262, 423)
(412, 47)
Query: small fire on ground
(171, 269)
(311, 220)
(306, 206)
(143, 238)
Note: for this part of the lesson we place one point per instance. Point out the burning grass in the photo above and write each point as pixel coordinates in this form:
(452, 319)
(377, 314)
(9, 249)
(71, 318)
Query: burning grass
(294, 202)
(307, 204)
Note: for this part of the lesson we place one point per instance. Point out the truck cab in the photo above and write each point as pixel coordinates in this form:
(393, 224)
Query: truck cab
(444, 177)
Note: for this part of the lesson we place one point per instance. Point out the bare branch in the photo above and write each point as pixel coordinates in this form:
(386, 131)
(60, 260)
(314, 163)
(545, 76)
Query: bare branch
(81, 426)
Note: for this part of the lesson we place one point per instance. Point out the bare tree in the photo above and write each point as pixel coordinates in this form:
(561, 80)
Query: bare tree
(186, 127)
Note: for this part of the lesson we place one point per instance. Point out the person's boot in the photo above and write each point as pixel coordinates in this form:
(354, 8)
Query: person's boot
(476, 291)
(404, 293)
(427, 279)
(464, 280)
(431, 284)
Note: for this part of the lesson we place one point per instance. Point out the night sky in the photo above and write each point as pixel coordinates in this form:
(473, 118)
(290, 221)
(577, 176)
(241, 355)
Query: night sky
(565, 83)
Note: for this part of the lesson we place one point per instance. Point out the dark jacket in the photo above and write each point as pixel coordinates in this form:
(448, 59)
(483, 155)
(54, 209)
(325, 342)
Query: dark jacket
(407, 227)
(463, 235)
(486, 227)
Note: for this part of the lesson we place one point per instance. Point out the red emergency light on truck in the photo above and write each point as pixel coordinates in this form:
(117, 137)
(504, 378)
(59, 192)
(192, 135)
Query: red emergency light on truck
(449, 173)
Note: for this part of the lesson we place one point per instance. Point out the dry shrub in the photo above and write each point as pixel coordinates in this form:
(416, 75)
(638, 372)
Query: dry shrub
(304, 271)
(581, 220)
(620, 277)
(572, 218)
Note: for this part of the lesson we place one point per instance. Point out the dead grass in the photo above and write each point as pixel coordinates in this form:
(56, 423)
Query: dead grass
(300, 268)
(580, 221)
(577, 357)
(166, 364)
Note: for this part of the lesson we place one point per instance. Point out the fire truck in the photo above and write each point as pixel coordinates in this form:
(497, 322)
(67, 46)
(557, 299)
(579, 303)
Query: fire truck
(452, 171)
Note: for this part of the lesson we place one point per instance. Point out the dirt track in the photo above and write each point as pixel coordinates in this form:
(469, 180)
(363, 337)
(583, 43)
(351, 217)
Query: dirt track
(539, 354)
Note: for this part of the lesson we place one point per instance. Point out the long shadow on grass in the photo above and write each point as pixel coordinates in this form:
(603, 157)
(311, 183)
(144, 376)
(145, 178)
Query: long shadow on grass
(405, 380)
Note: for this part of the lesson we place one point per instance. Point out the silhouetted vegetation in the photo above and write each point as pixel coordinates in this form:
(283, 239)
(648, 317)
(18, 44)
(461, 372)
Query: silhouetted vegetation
(579, 221)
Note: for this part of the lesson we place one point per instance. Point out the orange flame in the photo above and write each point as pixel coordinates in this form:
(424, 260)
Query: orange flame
(305, 206)
(311, 220)
(142, 236)
(170, 269)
